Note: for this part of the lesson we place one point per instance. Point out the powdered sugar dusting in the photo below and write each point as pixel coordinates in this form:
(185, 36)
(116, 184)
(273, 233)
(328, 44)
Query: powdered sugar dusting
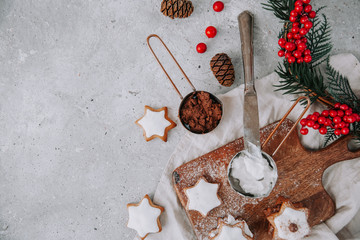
(299, 179)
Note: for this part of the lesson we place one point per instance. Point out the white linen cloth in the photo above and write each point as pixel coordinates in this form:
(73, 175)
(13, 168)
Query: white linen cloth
(342, 180)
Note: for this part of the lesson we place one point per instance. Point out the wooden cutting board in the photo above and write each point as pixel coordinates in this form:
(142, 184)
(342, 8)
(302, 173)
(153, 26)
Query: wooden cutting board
(300, 172)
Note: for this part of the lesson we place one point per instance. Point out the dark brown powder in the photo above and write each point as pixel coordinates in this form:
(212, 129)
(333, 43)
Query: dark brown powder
(200, 113)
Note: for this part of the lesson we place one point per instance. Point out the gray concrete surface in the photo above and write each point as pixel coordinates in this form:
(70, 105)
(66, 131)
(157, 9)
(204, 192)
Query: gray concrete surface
(74, 77)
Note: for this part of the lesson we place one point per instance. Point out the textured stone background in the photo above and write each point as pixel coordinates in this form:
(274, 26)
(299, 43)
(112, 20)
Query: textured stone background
(75, 75)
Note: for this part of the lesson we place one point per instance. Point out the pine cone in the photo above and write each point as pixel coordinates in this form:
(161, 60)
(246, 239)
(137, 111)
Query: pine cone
(177, 8)
(223, 69)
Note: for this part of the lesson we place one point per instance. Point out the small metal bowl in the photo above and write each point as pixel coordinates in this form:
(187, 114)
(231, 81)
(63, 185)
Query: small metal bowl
(184, 99)
(234, 183)
(193, 95)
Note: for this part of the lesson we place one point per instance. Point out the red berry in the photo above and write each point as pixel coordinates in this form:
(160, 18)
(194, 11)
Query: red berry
(290, 35)
(344, 107)
(307, 52)
(281, 53)
(337, 119)
(301, 46)
(293, 13)
(337, 132)
(304, 40)
(304, 19)
(290, 46)
(307, 58)
(297, 36)
(295, 29)
(316, 114)
(292, 19)
(300, 60)
(336, 126)
(308, 117)
(345, 131)
(303, 31)
(321, 120)
(303, 122)
(306, 1)
(340, 113)
(288, 54)
(218, 6)
(297, 54)
(308, 25)
(345, 118)
(298, 9)
(316, 126)
(342, 125)
(328, 122)
(323, 130)
(310, 123)
(333, 113)
(304, 131)
(210, 32)
(351, 119)
(357, 117)
(348, 112)
(325, 113)
(282, 42)
(298, 41)
(295, 24)
(291, 59)
(314, 117)
(201, 48)
(312, 14)
(298, 3)
(308, 8)
(337, 105)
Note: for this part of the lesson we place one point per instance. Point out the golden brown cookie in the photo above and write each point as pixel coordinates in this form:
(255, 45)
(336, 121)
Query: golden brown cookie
(230, 228)
(203, 197)
(144, 217)
(289, 222)
(155, 123)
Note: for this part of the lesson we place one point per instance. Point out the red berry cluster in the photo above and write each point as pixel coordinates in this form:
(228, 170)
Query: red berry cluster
(338, 118)
(210, 31)
(294, 48)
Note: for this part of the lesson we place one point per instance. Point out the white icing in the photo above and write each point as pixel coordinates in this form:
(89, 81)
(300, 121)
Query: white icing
(253, 172)
(289, 216)
(143, 218)
(232, 221)
(230, 233)
(203, 197)
(154, 123)
(247, 230)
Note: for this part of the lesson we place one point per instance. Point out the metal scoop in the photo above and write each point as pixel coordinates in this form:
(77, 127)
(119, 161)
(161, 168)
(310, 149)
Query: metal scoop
(251, 113)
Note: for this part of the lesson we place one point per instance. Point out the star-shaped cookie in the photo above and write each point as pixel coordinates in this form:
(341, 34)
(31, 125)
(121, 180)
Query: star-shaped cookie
(202, 197)
(155, 123)
(231, 229)
(144, 217)
(290, 222)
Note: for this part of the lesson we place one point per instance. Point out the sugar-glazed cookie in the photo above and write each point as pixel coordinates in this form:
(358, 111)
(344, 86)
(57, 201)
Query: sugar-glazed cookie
(290, 222)
(203, 197)
(230, 228)
(155, 123)
(144, 217)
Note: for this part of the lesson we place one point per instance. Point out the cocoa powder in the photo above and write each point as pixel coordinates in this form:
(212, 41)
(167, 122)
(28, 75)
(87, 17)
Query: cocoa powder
(200, 113)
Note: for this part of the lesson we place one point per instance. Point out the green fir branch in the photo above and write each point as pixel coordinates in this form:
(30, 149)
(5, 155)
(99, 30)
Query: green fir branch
(340, 89)
(280, 8)
(300, 79)
(330, 137)
(319, 40)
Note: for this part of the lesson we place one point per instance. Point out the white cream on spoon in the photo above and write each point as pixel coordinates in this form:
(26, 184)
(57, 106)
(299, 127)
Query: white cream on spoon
(252, 172)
